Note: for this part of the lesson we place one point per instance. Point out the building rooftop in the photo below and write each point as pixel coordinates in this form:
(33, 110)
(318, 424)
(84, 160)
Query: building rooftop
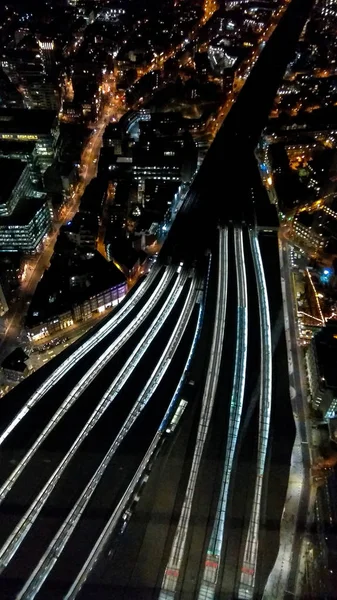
(10, 172)
(15, 361)
(72, 278)
(82, 222)
(318, 120)
(326, 351)
(13, 149)
(24, 211)
(26, 122)
(92, 199)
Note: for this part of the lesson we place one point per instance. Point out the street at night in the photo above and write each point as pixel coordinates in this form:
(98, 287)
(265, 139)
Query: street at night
(168, 300)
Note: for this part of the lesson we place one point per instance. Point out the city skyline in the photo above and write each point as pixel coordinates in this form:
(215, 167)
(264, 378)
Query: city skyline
(168, 299)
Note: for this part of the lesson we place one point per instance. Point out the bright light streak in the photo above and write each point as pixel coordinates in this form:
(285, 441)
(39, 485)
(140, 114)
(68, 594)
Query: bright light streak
(113, 522)
(248, 571)
(57, 545)
(78, 354)
(188, 362)
(169, 583)
(278, 582)
(119, 510)
(14, 541)
(207, 588)
(87, 379)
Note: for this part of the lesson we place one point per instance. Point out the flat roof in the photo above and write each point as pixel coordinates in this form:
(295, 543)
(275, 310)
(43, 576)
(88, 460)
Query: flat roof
(25, 121)
(320, 119)
(24, 211)
(15, 360)
(8, 147)
(10, 172)
(56, 283)
(326, 350)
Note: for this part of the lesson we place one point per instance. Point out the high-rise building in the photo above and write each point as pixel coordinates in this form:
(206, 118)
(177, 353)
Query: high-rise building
(26, 227)
(165, 151)
(47, 49)
(11, 271)
(27, 67)
(24, 211)
(32, 139)
(21, 126)
(14, 182)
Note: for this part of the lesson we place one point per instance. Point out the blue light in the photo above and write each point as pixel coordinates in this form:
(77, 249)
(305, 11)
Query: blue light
(326, 275)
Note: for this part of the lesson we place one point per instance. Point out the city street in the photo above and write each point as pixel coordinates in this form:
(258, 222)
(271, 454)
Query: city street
(112, 109)
(37, 359)
(79, 436)
(34, 268)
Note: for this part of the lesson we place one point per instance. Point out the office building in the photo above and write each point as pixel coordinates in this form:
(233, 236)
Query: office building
(83, 230)
(25, 216)
(113, 138)
(32, 139)
(304, 234)
(14, 366)
(33, 126)
(47, 51)
(11, 271)
(93, 199)
(15, 182)
(165, 150)
(9, 95)
(25, 228)
(26, 67)
(78, 285)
